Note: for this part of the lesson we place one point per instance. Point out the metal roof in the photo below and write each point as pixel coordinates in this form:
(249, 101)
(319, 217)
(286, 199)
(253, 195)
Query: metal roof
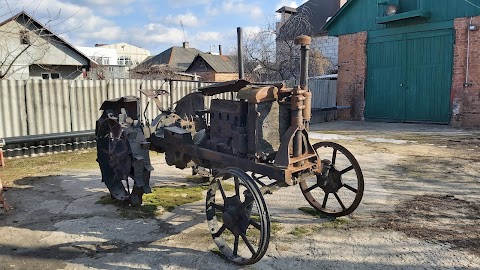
(219, 63)
(178, 58)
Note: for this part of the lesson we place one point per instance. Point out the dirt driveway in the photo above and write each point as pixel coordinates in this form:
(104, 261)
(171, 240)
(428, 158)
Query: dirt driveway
(421, 210)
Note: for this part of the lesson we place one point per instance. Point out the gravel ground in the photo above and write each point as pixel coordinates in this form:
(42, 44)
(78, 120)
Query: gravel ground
(420, 210)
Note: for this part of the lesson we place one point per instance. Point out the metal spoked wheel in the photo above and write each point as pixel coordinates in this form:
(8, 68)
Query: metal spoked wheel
(116, 163)
(237, 217)
(338, 190)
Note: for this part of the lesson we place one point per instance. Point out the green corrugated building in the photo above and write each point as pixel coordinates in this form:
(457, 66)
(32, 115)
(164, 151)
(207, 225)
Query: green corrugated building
(407, 60)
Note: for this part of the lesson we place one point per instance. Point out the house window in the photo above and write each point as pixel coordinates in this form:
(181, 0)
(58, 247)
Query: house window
(24, 39)
(400, 6)
(397, 10)
(124, 61)
(408, 5)
(51, 76)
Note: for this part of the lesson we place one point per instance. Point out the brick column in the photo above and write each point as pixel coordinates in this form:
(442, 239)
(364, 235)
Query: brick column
(465, 98)
(352, 69)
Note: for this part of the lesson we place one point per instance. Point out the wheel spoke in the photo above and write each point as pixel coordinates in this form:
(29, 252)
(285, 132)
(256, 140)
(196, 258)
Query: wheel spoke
(255, 224)
(350, 188)
(248, 200)
(339, 201)
(235, 246)
(325, 199)
(237, 186)
(346, 169)
(240, 224)
(245, 239)
(220, 231)
(334, 156)
(310, 188)
(221, 190)
(217, 206)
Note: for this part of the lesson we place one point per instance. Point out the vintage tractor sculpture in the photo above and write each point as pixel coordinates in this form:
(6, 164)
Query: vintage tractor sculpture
(249, 147)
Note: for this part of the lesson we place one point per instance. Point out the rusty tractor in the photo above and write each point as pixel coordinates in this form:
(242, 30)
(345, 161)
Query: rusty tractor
(248, 147)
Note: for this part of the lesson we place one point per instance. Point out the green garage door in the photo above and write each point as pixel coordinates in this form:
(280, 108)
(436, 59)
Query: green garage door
(409, 77)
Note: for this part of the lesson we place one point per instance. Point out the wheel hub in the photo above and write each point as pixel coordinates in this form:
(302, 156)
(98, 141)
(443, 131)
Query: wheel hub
(331, 179)
(235, 217)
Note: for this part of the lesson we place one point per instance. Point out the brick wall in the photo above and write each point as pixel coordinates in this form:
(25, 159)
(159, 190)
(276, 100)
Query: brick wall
(222, 77)
(466, 99)
(352, 69)
(217, 77)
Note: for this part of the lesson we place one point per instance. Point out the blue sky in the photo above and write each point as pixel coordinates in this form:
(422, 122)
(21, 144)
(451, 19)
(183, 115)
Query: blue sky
(151, 24)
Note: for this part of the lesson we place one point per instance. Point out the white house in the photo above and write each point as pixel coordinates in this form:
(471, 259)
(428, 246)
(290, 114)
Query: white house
(28, 49)
(127, 54)
(102, 56)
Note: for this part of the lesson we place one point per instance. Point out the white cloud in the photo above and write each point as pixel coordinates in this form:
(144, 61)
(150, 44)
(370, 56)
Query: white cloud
(250, 31)
(157, 33)
(290, 3)
(109, 2)
(188, 19)
(188, 3)
(236, 7)
(75, 21)
(208, 37)
(109, 33)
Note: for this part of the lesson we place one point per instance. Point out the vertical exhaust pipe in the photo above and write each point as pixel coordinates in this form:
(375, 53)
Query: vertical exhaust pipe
(304, 42)
(241, 72)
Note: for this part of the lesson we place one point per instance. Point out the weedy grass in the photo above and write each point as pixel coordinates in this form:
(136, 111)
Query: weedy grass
(337, 223)
(16, 169)
(300, 231)
(311, 211)
(161, 199)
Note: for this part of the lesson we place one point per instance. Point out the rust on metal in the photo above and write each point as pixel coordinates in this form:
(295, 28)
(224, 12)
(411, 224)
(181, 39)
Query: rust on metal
(257, 94)
(264, 131)
(223, 87)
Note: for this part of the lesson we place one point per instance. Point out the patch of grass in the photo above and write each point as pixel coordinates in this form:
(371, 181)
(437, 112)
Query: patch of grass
(161, 198)
(216, 251)
(311, 211)
(300, 231)
(47, 165)
(334, 224)
(275, 227)
(171, 197)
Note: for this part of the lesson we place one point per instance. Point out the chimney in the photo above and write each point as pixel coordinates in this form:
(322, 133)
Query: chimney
(186, 44)
(220, 49)
(286, 13)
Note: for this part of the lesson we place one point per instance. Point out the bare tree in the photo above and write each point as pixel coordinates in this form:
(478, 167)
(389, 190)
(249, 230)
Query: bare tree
(24, 40)
(271, 54)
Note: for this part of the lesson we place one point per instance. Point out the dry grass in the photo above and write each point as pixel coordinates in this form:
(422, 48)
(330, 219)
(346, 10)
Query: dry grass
(46, 165)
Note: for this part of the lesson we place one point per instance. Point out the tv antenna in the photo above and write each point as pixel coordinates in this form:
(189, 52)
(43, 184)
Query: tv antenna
(183, 29)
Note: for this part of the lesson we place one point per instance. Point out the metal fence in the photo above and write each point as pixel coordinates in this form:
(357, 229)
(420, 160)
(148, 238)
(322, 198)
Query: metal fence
(36, 107)
(324, 95)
